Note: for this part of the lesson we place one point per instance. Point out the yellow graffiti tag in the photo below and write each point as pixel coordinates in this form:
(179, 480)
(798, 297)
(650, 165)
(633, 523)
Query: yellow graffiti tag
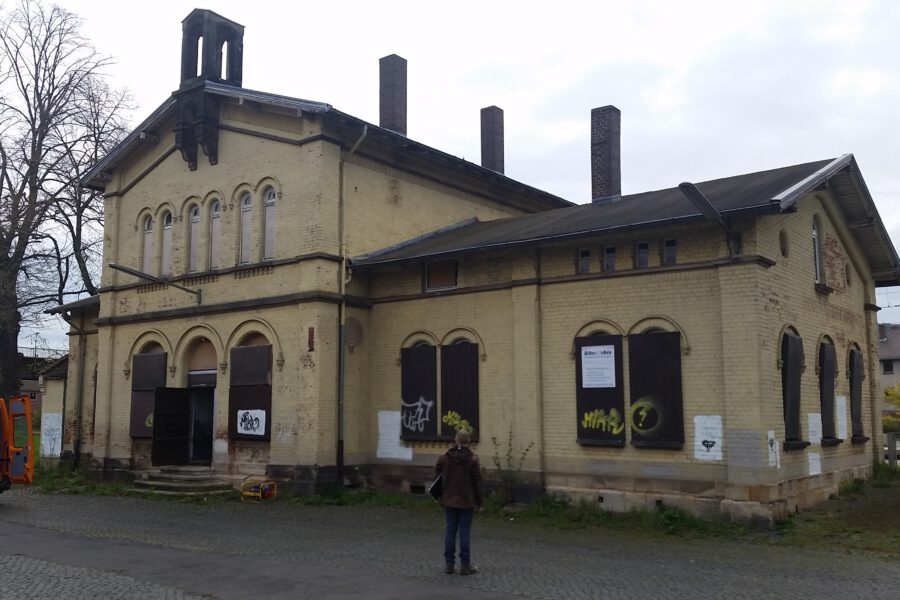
(598, 419)
(455, 420)
(149, 421)
(641, 410)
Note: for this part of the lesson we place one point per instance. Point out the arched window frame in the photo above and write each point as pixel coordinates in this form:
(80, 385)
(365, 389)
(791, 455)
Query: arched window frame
(166, 254)
(147, 251)
(215, 233)
(193, 234)
(269, 199)
(791, 361)
(818, 273)
(245, 249)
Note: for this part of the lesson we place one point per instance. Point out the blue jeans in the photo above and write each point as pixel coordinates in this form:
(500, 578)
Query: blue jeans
(457, 519)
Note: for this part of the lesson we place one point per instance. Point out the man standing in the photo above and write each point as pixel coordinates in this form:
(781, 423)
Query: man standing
(460, 497)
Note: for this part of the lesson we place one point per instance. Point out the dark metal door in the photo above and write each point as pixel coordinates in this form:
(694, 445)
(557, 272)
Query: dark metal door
(172, 423)
(201, 425)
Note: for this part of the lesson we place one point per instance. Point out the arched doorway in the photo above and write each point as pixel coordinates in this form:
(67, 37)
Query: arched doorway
(183, 417)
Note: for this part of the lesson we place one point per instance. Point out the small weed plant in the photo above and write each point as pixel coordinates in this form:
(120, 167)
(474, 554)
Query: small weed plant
(508, 467)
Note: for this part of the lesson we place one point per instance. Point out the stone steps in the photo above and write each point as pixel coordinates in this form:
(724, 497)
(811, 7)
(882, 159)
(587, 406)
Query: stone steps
(180, 480)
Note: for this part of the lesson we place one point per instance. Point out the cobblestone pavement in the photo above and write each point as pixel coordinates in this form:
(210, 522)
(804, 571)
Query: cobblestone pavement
(110, 547)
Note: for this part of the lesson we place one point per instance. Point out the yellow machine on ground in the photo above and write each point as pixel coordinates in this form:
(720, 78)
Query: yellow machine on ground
(16, 442)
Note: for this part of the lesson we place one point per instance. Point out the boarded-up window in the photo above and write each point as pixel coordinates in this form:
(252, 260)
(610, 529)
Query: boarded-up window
(440, 275)
(654, 373)
(269, 225)
(250, 393)
(600, 390)
(148, 245)
(215, 232)
(791, 368)
(418, 390)
(148, 372)
(459, 388)
(167, 245)
(194, 239)
(856, 377)
(246, 228)
(827, 364)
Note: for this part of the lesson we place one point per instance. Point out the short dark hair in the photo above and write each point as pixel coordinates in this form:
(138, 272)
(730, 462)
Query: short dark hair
(463, 437)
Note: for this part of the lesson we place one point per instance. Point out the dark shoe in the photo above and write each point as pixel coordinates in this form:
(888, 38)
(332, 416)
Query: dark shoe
(449, 570)
(468, 570)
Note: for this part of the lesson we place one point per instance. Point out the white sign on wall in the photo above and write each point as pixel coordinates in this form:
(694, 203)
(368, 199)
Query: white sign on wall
(598, 367)
(815, 463)
(251, 422)
(389, 444)
(51, 434)
(814, 420)
(840, 407)
(774, 450)
(708, 437)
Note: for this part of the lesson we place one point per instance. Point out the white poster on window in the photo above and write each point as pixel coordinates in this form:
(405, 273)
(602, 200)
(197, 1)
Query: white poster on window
(840, 408)
(389, 444)
(815, 463)
(251, 422)
(814, 421)
(708, 437)
(598, 367)
(774, 449)
(51, 434)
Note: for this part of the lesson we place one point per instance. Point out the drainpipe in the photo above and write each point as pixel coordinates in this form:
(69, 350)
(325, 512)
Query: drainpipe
(79, 390)
(540, 368)
(343, 280)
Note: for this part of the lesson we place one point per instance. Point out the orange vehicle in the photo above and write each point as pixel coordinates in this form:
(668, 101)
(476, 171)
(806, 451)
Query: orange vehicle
(16, 445)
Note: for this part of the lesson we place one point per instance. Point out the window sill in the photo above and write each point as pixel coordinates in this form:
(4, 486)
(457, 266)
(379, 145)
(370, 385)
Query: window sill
(823, 289)
(831, 442)
(795, 445)
(657, 444)
(859, 439)
(601, 443)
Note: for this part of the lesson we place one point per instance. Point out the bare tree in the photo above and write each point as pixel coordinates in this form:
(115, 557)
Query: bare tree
(57, 117)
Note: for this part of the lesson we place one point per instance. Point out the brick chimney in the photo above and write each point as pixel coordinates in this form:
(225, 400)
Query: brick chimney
(606, 170)
(392, 93)
(492, 138)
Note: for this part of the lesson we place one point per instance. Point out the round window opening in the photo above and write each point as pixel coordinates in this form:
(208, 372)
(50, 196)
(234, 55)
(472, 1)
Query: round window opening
(783, 243)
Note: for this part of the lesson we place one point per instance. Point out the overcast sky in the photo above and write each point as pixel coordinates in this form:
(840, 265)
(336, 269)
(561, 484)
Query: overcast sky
(706, 89)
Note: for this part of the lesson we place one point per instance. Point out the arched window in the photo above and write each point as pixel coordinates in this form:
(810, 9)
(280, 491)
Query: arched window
(817, 251)
(246, 227)
(269, 225)
(459, 387)
(855, 374)
(599, 390)
(791, 369)
(148, 372)
(147, 262)
(215, 230)
(166, 269)
(827, 372)
(194, 239)
(250, 393)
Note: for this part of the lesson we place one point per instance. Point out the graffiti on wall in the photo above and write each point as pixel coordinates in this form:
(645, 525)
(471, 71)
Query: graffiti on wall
(774, 451)
(708, 437)
(251, 422)
(454, 419)
(51, 434)
(416, 415)
(598, 419)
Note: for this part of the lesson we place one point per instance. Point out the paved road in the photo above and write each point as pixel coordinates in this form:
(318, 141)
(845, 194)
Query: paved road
(99, 547)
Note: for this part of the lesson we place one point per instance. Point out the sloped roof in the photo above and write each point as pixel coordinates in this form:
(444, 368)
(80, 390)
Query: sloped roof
(85, 304)
(770, 191)
(98, 175)
(57, 370)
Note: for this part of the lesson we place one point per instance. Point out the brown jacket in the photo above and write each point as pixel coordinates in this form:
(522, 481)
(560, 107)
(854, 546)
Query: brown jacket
(462, 478)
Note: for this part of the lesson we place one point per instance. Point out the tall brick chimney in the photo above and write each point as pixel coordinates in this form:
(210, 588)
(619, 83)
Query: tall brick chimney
(492, 138)
(606, 169)
(392, 93)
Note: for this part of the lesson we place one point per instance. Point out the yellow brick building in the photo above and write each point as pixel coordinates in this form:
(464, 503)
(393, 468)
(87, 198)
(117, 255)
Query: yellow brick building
(295, 292)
